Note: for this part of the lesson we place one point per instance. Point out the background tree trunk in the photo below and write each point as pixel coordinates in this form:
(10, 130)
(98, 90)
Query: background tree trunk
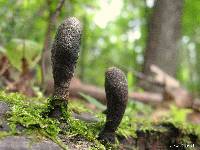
(164, 33)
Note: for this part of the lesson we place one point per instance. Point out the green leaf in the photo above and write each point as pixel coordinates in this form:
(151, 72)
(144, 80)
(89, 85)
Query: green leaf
(93, 101)
(19, 48)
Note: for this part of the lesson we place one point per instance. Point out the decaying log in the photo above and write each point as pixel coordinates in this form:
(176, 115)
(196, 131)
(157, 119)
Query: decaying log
(172, 88)
(172, 91)
(163, 78)
(77, 87)
(147, 97)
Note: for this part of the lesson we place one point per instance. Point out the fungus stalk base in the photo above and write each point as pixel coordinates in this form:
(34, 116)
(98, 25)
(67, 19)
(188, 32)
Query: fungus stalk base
(57, 108)
(107, 137)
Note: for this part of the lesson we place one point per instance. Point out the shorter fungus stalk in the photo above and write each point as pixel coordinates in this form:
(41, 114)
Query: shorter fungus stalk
(65, 52)
(116, 89)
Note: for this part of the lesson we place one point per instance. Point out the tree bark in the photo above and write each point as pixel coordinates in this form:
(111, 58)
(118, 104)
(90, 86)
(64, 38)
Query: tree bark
(164, 33)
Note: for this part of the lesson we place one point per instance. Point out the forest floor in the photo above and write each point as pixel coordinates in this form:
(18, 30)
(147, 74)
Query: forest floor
(23, 125)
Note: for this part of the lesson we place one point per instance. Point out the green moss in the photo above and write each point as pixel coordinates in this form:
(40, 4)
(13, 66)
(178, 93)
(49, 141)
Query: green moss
(54, 102)
(30, 115)
(4, 134)
(178, 117)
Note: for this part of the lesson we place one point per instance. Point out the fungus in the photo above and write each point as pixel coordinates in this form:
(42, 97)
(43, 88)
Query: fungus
(64, 55)
(116, 89)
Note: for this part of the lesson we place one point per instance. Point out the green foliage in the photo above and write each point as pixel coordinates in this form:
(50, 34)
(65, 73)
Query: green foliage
(88, 130)
(190, 16)
(136, 118)
(179, 115)
(188, 69)
(178, 118)
(93, 101)
(19, 21)
(75, 103)
(19, 48)
(128, 127)
(131, 80)
(112, 45)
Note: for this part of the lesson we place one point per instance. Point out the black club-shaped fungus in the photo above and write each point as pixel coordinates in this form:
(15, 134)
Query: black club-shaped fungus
(65, 52)
(116, 89)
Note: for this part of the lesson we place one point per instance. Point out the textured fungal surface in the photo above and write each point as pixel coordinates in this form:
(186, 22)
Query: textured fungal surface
(64, 55)
(65, 51)
(116, 89)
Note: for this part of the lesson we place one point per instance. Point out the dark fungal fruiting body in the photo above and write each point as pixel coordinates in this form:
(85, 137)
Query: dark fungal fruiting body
(65, 52)
(116, 89)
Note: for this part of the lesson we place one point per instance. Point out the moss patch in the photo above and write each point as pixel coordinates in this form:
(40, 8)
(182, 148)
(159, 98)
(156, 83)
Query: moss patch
(29, 113)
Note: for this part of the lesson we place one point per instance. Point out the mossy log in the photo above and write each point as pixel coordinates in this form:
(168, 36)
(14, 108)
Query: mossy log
(170, 139)
(159, 137)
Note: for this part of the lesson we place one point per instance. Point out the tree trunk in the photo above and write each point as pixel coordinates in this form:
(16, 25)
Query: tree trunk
(164, 33)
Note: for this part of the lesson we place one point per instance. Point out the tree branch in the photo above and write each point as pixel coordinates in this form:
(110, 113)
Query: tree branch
(47, 41)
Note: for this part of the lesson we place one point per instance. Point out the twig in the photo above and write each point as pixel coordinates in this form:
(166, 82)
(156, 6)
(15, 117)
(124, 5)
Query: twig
(52, 19)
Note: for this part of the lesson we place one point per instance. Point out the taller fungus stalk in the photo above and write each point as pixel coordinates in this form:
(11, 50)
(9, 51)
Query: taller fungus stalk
(65, 52)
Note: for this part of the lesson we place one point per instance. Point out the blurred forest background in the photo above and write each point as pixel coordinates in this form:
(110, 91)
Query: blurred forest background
(131, 35)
